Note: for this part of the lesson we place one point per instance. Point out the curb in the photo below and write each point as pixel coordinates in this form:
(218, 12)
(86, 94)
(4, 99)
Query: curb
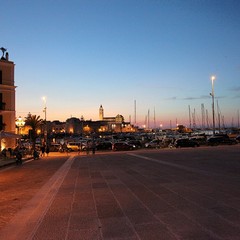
(11, 162)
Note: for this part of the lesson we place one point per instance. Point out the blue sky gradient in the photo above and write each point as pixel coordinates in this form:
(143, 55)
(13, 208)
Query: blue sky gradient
(80, 54)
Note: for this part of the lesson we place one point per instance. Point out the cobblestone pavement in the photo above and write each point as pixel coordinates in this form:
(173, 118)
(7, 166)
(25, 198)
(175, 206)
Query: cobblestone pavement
(168, 194)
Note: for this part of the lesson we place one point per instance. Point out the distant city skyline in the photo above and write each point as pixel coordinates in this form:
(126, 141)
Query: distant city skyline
(158, 54)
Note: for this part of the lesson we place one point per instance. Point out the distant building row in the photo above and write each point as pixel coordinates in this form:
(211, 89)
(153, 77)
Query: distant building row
(85, 127)
(81, 126)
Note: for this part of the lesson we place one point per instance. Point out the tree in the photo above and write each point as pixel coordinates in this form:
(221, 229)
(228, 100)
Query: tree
(34, 122)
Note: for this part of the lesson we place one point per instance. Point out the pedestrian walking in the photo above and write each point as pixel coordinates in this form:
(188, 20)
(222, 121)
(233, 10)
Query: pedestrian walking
(79, 148)
(87, 147)
(35, 154)
(42, 150)
(19, 158)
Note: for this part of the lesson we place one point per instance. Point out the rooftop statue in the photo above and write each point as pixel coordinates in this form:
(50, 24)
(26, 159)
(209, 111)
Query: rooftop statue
(3, 53)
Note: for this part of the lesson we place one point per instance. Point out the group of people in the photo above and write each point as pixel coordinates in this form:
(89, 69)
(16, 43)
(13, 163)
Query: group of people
(44, 149)
(89, 146)
(10, 152)
(17, 153)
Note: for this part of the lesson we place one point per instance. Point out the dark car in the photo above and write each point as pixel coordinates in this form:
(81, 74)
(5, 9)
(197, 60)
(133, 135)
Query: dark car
(238, 138)
(222, 139)
(104, 145)
(136, 143)
(201, 140)
(185, 142)
(122, 146)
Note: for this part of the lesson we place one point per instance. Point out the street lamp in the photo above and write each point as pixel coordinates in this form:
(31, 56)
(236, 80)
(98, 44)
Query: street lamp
(212, 94)
(45, 120)
(20, 124)
(45, 107)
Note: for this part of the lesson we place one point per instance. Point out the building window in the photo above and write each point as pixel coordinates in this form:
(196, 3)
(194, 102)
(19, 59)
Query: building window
(0, 77)
(1, 123)
(2, 105)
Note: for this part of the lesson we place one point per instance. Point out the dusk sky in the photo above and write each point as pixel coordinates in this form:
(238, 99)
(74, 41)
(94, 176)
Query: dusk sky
(84, 53)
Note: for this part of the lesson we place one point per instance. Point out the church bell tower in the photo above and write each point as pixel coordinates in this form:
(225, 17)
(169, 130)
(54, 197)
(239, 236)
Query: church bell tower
(101, 115)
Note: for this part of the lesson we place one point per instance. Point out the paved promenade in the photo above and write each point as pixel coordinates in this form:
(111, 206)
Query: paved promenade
(187, 194)
(11, 161)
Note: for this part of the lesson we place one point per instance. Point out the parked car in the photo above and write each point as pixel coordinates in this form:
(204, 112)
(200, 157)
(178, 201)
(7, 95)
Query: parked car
(156, 143)
(238, 138)
(185, 142)
(54, 147)
(121, 146)
(76, 146)
(136, 143)
(106, 145)
(221, 139)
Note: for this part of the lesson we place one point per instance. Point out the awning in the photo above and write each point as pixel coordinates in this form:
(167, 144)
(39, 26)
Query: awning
(4, 134)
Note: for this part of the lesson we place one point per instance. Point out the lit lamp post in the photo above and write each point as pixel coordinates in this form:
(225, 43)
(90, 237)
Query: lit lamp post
(213, 111)
(45, 120)
(20, 124)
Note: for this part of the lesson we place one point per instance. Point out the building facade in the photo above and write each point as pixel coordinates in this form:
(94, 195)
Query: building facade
(7, 98)
(113, 124)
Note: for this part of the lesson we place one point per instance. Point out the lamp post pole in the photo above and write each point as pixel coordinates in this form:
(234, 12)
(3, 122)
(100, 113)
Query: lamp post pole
(20, 124)
(213, 111)
(45, 113)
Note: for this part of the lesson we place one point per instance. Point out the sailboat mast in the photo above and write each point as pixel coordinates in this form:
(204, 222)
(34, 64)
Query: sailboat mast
(189, 116)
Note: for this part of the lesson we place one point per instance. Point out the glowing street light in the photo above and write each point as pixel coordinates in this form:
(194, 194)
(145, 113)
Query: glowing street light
(213, 111)
(20, 124)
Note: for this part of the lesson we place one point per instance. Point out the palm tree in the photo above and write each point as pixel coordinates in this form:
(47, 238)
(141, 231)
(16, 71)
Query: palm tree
(35, 123)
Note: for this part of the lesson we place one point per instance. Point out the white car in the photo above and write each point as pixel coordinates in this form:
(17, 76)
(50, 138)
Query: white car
(76, 146)
(73, 146)
(156, 143)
